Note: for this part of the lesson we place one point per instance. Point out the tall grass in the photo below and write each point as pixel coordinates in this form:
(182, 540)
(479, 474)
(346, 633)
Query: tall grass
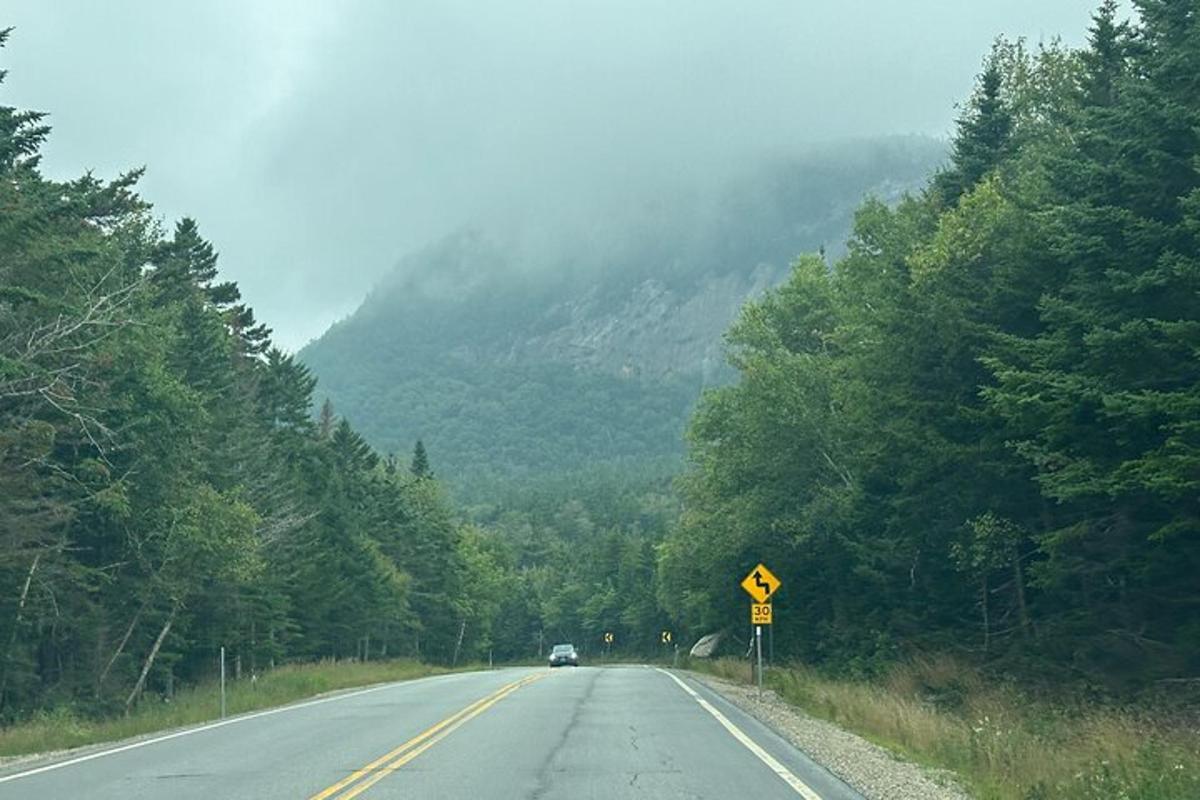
(62, 728)
(1003, 744)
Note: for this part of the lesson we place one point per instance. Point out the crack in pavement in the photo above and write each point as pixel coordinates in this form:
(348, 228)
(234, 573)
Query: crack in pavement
(544, 771)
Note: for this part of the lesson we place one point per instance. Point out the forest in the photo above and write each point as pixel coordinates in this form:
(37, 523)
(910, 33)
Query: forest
(520, 354)
(978, 432)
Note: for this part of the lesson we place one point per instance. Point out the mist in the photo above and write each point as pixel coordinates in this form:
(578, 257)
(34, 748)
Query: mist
(317, 143)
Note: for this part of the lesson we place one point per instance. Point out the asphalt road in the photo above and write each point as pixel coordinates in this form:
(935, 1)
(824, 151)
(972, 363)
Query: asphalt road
(611, 733)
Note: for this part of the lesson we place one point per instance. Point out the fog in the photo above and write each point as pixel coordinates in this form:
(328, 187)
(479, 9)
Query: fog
(316, 143)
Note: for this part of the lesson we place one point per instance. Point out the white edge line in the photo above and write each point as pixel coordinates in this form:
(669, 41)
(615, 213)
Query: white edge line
(801, 788)
(218, 724)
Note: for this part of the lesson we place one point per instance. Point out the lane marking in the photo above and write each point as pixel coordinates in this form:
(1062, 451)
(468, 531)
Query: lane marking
(415, 740)
(213, 725)
(801, 788)
(366, 777)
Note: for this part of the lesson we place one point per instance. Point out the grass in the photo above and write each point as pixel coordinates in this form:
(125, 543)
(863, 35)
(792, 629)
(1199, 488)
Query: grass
(1003, 744)
(62, 728)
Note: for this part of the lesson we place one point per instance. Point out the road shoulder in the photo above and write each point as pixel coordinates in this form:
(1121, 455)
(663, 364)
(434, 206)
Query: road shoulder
(19, 764)
(868, 768)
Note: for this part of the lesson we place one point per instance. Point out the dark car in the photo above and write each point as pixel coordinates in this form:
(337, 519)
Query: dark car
(564, 654)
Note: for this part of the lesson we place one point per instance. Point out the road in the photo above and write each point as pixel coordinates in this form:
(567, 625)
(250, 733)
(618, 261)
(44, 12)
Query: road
(611, 732)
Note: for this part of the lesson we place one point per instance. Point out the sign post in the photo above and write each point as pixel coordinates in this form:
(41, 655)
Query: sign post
(758, 643)
(760, 584)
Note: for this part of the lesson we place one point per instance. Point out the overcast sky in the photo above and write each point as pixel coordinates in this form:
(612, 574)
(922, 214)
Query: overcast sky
(316, 143)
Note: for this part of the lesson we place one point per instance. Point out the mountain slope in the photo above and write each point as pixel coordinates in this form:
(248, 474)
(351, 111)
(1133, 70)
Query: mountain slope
(518, 353)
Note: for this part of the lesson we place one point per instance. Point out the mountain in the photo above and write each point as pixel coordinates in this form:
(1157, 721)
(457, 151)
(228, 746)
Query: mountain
(538, 349)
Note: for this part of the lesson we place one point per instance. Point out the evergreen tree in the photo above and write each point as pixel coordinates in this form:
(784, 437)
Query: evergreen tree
(1105, 59)
(326, 421)
(420, 462)
(982, 140)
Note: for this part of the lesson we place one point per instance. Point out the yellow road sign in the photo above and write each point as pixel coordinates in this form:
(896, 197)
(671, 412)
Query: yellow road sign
(666, 637)
(760, 583)
(760, 613)
(608, 638)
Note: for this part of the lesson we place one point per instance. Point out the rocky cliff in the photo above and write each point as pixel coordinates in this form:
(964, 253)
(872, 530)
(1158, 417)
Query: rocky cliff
(513, 353)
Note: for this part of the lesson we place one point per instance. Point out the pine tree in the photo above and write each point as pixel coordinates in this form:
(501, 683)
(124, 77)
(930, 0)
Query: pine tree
(982, 140)
(21, 132)
(326, 421)
(420, 462)
(1105, 58)
(1103, 402)
(350, 449)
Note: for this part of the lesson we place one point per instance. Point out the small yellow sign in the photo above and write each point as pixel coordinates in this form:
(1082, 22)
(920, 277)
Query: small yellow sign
(761, 583)
(608, 638)
(760, 613)
(666, 637)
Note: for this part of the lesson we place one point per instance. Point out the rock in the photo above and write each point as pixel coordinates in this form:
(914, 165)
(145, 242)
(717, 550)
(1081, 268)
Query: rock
(706, 646)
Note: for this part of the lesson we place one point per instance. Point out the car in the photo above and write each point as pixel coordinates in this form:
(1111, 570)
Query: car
(564, 654)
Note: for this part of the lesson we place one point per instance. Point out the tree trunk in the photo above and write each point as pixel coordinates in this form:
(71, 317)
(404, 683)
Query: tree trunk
(12, 639)
(1019, 587)
(120, 647)
(141, 681)
(987, 625)
(457, 645)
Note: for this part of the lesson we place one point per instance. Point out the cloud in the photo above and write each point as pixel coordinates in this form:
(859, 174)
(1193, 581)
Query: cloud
(318, 142)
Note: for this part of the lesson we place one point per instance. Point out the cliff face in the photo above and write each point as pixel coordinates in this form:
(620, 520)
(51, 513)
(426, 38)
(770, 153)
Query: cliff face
(654, 332)
(512, 359)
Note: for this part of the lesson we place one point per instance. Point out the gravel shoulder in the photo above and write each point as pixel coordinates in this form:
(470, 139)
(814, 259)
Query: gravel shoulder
(868, 768)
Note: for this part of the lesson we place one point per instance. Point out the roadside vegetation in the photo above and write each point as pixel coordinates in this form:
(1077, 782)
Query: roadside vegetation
(172, 484)
(1003, 742)
(62, 728)
(977, 432)
(974, 434)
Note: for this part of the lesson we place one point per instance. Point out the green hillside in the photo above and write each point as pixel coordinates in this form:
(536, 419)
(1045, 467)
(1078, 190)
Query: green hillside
(516, 360)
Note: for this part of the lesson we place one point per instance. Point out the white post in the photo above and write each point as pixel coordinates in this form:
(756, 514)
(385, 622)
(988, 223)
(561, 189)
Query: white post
(222, 682)
(758, 641)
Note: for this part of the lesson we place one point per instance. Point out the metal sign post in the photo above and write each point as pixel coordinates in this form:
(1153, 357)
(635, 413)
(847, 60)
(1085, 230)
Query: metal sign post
(761, 584)
(222, 682)
(758, 641)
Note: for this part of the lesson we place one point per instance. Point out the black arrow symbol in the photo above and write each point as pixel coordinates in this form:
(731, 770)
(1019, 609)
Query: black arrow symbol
(760, 583)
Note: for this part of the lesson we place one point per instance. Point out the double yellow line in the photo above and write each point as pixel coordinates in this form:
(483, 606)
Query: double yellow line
(360, 780)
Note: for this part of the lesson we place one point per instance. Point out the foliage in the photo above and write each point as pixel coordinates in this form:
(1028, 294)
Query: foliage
(164, 491)
(588, 347)
(977, 430)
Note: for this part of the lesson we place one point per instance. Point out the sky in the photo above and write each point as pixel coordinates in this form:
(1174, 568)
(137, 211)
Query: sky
(318, 142)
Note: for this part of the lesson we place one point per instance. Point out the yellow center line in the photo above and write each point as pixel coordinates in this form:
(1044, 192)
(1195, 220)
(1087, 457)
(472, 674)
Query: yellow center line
(406, 751)
(383, 772)
(411, 742)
